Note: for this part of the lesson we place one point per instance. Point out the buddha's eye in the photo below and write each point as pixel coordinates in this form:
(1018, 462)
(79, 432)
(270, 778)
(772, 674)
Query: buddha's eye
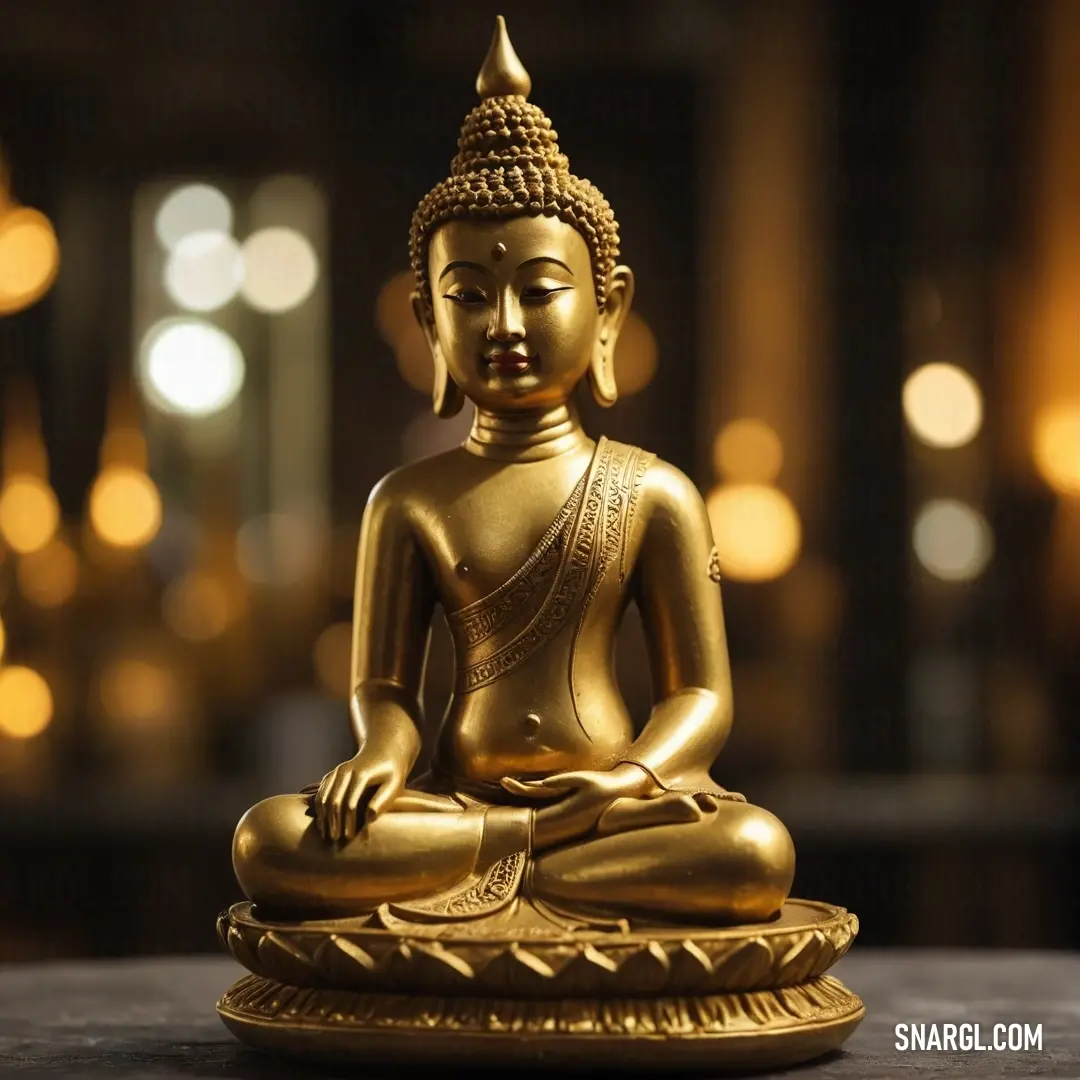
(543, 290)
(465, 296)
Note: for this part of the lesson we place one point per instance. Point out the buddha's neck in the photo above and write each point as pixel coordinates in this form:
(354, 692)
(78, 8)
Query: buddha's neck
(526, 435)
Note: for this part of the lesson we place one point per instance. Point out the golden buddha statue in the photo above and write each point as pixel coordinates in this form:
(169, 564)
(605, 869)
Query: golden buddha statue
(545, 818)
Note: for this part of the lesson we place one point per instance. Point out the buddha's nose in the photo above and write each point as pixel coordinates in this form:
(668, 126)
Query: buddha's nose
(506, 324)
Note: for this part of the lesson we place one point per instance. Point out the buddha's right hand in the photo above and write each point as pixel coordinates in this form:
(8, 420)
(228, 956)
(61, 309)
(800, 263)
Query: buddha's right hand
(365, 783)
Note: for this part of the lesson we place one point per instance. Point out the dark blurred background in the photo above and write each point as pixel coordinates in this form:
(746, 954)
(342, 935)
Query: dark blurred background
(856, 234)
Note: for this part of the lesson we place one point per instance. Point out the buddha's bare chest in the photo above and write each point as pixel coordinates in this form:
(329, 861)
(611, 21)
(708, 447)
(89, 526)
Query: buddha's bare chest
(484, 534)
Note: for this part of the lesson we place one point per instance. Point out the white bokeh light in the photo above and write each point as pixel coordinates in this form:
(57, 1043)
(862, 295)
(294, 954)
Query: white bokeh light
(189, 367)
(205, 271)
(952, 540)
(189, 209)
(280, 269)
(943, 405)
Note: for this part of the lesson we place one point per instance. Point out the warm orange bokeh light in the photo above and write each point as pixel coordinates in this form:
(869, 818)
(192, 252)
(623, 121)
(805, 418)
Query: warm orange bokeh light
(29, 258)
(635, 356)
(1056, 447)
(125, 507)
(26, 704)
(29, 513)
(748, 451)
(757, 531)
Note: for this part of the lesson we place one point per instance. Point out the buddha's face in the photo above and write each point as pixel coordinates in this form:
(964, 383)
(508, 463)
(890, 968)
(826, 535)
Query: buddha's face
(515, 316)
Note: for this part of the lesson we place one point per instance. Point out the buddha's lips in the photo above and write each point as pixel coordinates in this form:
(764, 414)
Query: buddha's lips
(509, 363)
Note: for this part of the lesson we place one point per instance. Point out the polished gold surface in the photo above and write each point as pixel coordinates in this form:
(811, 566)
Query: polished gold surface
(547, 819)
(725, 1032)
(521, 953)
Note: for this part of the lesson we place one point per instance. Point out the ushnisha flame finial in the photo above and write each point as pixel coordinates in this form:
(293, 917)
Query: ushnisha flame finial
(502, 73)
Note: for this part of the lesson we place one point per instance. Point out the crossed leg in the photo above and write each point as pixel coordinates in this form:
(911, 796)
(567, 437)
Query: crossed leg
(734, 864)
(281, 860)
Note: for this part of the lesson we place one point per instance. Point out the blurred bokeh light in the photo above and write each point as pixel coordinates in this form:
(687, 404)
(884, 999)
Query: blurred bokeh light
(190, 209)
(191, 367)
(125, 507)
(280, 269)
(635, 356)
(1057, 447)
(756, 529)
(29, 258)
(943, 405)
(952, 540)
(204, 271)
(748, 451)
(29, 513)
(26, 703)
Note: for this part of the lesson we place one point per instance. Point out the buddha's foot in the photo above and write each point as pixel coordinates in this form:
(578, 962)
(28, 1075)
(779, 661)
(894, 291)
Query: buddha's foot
(516, 985)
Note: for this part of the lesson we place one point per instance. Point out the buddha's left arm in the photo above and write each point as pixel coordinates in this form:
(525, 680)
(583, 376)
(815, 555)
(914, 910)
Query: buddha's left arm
(684, 627)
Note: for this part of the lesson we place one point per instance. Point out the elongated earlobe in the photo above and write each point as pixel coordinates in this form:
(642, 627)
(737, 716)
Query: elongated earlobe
(446, 396)
(620, 295)
(602, 377)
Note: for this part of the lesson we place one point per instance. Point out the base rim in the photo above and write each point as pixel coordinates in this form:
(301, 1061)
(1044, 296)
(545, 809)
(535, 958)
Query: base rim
(727, 1032)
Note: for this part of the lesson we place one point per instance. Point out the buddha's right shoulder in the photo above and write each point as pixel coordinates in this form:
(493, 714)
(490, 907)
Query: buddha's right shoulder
(413, 483)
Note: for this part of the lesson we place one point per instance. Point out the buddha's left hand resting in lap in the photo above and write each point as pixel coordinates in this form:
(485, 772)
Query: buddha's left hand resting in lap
(534, 539)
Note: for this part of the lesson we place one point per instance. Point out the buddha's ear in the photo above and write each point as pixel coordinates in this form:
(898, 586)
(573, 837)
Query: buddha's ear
(446, 395)
(619, 297)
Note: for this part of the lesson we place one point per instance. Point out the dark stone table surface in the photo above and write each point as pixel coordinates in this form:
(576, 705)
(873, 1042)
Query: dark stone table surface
(156, 1018)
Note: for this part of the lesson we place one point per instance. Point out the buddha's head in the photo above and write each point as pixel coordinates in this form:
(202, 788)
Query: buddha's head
(518, 292)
